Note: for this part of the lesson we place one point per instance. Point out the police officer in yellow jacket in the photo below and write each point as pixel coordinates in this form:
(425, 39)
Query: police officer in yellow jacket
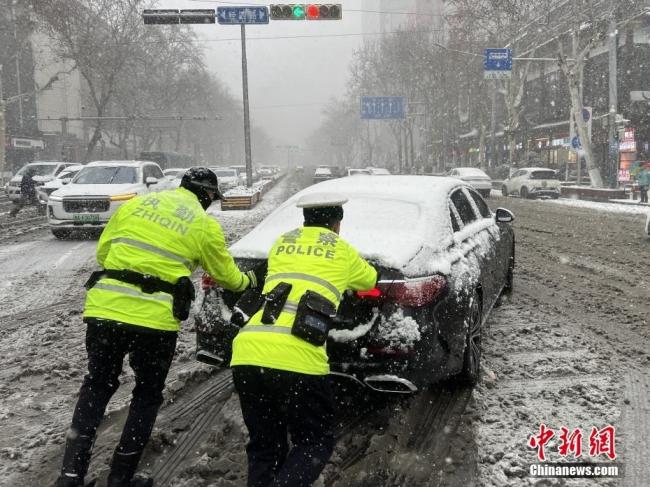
(134, 306)
(279, 362)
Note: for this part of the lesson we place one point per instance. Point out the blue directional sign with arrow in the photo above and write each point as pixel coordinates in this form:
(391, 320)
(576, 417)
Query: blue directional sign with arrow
(243, 15)
(382, 107)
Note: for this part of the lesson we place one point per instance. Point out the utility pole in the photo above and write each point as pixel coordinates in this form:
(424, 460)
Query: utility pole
(2, 130)
(247, 126)
(493, 127)
(613, 94)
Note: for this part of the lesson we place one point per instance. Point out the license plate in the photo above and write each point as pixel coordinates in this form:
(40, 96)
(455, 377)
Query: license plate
(85, 218)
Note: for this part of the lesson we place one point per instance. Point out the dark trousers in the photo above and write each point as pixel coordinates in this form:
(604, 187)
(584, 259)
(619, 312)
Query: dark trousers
(274, 403)
(150, 356)
(20, 204)
(643, 191)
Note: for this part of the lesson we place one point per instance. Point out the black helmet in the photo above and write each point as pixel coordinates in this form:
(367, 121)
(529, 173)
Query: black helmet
(200, 180)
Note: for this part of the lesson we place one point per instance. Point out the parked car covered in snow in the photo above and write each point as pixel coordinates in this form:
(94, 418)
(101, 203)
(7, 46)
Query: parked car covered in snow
(357, 172)
(475, 177)
(96, 192)
(228, 178)
(532, 182)
(64, 177)
(322, 173)
(444, 259)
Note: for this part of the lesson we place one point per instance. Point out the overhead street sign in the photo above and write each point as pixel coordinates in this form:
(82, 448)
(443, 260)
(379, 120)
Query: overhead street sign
(243, 15)
(497, 63)
(382, 107)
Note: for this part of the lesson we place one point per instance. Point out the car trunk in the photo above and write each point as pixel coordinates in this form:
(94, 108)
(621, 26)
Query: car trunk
(363, 341)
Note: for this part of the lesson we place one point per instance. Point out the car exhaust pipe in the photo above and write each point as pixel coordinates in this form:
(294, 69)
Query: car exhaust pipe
(209, 358)
(382, 383)
(390, 383)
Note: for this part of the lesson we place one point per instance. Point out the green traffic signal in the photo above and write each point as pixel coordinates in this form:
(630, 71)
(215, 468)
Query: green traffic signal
(298, 11)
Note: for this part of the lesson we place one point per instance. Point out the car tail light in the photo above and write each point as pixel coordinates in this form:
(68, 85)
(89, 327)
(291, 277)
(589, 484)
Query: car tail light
(207, 282)
(408, 292)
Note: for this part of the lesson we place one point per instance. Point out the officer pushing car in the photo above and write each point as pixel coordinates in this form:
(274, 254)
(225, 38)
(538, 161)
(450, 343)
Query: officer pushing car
(134, 306)
(279, 361)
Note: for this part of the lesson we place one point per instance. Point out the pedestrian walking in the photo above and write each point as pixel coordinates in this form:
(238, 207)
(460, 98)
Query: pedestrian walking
(279, 362)
(27, 192)
(134, 307)
(643, 178)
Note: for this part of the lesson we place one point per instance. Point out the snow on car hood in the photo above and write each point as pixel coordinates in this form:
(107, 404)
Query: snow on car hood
(401, 222)
(98, 189)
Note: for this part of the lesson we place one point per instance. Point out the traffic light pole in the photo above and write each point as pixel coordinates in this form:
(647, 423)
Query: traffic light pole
(247, 126)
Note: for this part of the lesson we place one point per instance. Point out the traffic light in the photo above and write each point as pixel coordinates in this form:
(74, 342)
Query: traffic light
(171, 16)
(197, 16)
(323, 11)
(288, 11)
(168, 16)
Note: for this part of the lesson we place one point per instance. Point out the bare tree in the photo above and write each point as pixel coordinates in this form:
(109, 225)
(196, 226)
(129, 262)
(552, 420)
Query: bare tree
(99, 37)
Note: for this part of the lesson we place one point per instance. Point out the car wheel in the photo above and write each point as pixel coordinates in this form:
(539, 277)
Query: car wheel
(60, 233)
(504, 190)
(472, 358)
(523, 192)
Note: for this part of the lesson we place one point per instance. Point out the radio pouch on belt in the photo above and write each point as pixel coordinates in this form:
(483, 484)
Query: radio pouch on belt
(246, 306)
(184, 294)
(274, 302)
(313, 318)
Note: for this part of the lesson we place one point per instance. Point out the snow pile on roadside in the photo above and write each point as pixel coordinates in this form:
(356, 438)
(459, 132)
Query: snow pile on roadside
(598, 206)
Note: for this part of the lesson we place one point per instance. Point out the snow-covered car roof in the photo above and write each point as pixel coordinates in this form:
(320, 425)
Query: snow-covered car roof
(471, 171)
(322, 171)
(535, 169)
(119, 163)
(388, 219)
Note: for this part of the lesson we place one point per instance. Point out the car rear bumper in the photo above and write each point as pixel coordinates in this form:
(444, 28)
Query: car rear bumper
(545, 191)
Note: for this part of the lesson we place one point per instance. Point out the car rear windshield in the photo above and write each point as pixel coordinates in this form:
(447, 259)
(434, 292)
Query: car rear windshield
(107, 175)
(471, 172)
(39, 169)
(543, 175)
(226, 173)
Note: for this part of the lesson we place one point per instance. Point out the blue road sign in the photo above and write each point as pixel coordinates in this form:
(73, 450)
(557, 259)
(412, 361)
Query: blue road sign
(575, 142)
(243, 15)
(498, 60)
(382, 107)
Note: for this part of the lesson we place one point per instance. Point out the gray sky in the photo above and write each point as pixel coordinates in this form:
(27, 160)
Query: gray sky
(301, 72)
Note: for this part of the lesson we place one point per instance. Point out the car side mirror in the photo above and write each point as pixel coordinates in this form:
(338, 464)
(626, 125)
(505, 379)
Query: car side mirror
(504, 216)
(66, 180)
(151, 180)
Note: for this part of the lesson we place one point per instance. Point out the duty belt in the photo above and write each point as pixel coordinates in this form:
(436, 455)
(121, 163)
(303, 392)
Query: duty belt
(148, 284)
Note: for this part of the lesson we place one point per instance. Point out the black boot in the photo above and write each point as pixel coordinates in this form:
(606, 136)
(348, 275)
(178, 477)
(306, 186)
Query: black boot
(123, 469)
(75, 461)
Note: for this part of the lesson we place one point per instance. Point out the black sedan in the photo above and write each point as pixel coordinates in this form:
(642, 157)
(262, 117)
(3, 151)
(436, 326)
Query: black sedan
(445, 260)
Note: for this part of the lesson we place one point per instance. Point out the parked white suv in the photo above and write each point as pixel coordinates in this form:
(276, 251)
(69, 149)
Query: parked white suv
(42, 172)
(532, 182)
(96, 192)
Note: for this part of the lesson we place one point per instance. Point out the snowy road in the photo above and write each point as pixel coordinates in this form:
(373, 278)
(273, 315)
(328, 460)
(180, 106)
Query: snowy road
(570, 349)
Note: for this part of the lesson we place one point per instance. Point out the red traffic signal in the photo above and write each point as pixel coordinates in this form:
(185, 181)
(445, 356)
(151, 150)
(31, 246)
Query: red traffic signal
(323, 11)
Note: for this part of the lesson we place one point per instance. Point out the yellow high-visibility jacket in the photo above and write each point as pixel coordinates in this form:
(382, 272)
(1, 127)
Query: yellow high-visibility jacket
(166, 235)
(309, 258)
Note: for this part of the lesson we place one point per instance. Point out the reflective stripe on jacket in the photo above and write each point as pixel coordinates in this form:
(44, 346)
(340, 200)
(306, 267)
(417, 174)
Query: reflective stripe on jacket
(167, 235)
(309, 258)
